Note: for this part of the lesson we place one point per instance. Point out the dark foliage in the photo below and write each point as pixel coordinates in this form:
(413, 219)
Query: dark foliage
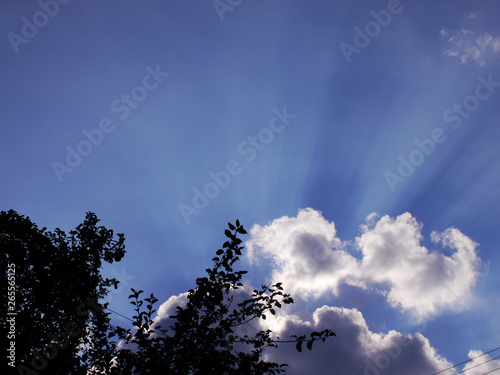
(57, 283)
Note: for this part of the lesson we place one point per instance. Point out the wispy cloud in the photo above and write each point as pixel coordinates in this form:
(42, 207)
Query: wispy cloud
(469, 45)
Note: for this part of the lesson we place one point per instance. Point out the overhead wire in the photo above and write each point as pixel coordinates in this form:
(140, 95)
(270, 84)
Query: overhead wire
(461, 363)
(479, 364)
(126, 317)
(163, 334)
(117, 313)
(489, 372)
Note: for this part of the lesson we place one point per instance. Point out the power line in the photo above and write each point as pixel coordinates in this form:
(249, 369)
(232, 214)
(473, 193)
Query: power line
(498, 368)
(461, 363)
(117, 313)
(163, 334)
(126, 317)
(489, 360)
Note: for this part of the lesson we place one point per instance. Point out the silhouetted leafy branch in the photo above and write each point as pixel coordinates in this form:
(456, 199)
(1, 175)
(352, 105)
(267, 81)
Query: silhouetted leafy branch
(202, 338)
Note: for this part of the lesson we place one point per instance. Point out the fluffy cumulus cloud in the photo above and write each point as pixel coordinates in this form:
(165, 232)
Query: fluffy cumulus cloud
(309, 257)
(415, 278)
(355, 349)
(468, 45)
(168, 308)
(312, 261)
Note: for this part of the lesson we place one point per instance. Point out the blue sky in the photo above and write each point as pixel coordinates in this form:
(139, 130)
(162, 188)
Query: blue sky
(177, 90)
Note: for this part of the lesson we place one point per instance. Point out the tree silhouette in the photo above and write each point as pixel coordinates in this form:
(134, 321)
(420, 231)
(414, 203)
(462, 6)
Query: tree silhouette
(60, 328)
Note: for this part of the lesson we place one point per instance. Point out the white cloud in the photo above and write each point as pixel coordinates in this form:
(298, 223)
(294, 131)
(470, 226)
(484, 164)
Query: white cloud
(311, 260)
(168, 308)
(418, 280)
(309, 257)
(468, 45)
(480, 364)
(355, 349)
(471, 15)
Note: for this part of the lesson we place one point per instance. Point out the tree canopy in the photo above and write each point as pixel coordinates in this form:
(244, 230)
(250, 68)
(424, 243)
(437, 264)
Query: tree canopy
(57, 284)
(61, 328)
